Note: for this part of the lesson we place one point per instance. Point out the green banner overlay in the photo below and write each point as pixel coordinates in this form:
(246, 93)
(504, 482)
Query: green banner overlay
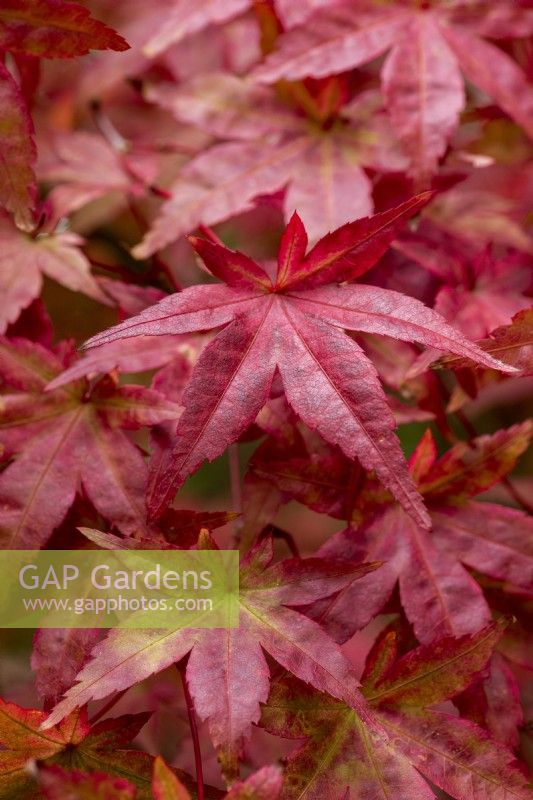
(119, 588)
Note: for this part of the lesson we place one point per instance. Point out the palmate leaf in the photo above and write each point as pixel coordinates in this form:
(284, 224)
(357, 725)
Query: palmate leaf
(25, 260)
(421, 76)
(341, 758)
(438, 594)
(53, 29)
(482, 290)
(84, 167)
(73, 743)
(493, 701)
(227, 673)
(57, 657)
(266, 146)
(511, 343)
(75, 757)
(293, 325)
(66, 439)
(43, 29)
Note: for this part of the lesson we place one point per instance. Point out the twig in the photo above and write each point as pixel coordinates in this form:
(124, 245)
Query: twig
(194, 731)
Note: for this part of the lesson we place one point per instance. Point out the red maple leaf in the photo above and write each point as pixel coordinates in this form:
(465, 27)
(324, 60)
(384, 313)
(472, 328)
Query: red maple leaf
(438, 594)
(267, 145)
(36, 29)
(24, 261)
(53, 29)
(227, 673)
(430, 44)
(512, 343)
(292, 323)
(340, 755)
(482, 290)
(57, 657)
(85, 167)
(105, 744)
(69, 438)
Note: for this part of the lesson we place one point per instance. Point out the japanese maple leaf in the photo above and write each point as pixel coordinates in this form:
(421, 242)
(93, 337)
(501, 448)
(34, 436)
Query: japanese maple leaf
(73, 743)
(46, 29)
(57, 657)
(86, 167)
(59, 654)
(18, 189)
(438, 595)
(268, 146)
(67, 439)
(488, 207)
(342, 758)
(26, 258)
(227, 673)
(512, 343)
(481, 291)
(175, 354)
(53, 29)
(430, 44)
(493, 702)
(292, 323)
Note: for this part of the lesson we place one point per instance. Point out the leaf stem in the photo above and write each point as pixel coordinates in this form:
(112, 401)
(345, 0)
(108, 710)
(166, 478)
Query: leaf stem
(181, 667)
(108, 706)
(210, 234)
(236, 486)
(505, 481)
(157, 261)
(284, 536)
(517, 496)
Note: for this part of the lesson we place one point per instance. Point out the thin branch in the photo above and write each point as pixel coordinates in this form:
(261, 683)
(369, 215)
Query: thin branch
(194, 730)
